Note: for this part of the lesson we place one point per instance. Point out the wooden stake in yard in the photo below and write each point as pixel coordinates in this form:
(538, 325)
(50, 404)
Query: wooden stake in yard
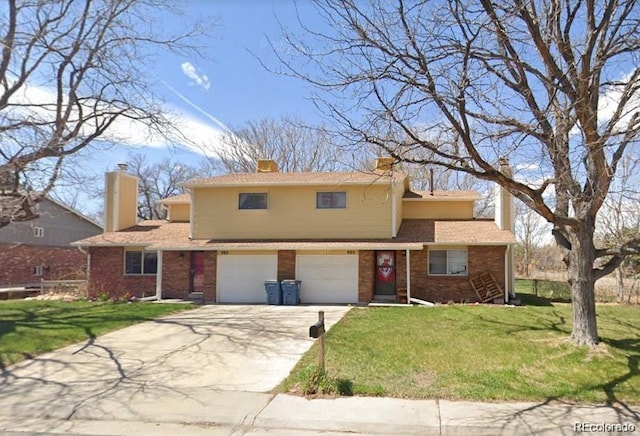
(321, 356)
(317, 331)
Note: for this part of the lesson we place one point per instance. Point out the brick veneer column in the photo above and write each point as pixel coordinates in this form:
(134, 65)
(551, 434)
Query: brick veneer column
(210, 276)
(286, 264)
(366, 259)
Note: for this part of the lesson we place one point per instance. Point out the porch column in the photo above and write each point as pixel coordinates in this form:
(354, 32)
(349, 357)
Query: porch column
(159, 277)
(506, 274)
(408, 261)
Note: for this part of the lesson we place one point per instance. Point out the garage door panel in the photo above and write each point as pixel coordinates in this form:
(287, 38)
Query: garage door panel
(241, 277)
(328, 278)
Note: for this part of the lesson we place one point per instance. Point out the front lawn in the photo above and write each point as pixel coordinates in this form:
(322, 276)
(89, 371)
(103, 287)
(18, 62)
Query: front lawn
(29, 328)
(481, 353)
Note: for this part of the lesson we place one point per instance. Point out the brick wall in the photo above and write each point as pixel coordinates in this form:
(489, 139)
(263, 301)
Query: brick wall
(401, 269)
(210, 276)
(366, 270)
(286, 264)
(17, 264)
(176, 268)
(107, 275)
(458, 289)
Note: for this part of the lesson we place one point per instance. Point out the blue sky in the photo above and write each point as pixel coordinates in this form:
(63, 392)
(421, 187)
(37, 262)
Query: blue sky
(229, 86)
(240, 89)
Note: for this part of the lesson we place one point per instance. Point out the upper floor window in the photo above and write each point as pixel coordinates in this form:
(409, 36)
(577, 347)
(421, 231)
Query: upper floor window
(448, 262)
(38, 232)
(141, 262)
(252, 200)
(331, 200)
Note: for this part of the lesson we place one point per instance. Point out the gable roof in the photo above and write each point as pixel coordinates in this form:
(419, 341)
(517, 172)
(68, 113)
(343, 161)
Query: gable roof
(73, 211)
(176, 199)
(297, 179)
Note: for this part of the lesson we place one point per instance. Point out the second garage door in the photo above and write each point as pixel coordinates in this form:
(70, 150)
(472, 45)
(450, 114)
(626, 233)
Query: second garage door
(328, 278)
(240, 278)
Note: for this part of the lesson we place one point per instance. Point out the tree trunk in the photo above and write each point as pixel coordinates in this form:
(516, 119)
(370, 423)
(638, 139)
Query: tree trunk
(580, 270)
(620, 284)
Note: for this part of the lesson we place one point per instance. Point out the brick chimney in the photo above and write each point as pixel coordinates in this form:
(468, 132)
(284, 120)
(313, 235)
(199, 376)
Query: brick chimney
(121, 199)
(266, 166)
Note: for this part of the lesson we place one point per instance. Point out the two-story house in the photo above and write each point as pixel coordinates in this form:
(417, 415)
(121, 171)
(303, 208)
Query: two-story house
(350, 237)
(40, 248)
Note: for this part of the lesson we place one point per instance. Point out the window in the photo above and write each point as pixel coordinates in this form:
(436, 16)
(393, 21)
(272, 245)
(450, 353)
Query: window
(37, 270)
(331, 200)
(38, 232)
(252, 201)
(140, 262)
(448, 262)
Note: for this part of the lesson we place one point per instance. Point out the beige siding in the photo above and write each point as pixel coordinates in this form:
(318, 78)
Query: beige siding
(121, 201)
(399, 192)
(179, 212)
(292, 214)
(437, 209)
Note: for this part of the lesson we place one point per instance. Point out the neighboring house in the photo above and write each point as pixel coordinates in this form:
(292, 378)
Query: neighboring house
(40, 248)
(350, 237)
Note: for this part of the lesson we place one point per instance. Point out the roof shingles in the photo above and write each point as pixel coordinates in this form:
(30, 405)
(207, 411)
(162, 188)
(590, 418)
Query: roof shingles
(172, 235)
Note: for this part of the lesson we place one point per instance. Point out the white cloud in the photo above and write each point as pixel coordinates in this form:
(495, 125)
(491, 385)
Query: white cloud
(196, 76)
(201, 135)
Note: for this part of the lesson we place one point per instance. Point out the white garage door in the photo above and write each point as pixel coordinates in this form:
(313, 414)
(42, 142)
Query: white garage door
(240, 278)
(328, 278)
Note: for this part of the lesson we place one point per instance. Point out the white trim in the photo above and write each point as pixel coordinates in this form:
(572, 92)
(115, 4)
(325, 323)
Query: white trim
(506, 275)
(283, 246)
(408, 261)
(115, 203)
(192, 212)
(394, 207)
(159, 276)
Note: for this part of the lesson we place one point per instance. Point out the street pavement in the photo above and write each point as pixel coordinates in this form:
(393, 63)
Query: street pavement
(210, 371)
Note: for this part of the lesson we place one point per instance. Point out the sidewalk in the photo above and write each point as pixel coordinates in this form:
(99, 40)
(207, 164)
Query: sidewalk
(292, 415)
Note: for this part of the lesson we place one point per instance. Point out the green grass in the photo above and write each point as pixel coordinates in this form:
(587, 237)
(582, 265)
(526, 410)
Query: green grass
(29, 328)
(481, 353)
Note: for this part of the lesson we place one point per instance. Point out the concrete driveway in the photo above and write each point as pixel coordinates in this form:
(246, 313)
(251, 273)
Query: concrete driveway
(197, 366)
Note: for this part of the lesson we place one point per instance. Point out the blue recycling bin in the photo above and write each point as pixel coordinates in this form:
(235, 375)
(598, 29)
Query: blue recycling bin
(291, 292)
(274, 292)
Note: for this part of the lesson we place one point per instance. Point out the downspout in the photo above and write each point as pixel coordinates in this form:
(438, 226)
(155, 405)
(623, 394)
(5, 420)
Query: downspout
(86, 253)
(159, 277)
(408, 257)
(192, 209)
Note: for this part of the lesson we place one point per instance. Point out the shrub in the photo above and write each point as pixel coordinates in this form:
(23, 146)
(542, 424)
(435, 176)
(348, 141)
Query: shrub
(314, 380)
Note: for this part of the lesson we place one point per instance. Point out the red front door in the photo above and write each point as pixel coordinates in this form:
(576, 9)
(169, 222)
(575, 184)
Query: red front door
(385, 272)
(197, 271)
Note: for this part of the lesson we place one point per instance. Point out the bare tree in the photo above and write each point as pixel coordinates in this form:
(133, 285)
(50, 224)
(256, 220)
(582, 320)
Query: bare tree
(157, 181)
(554, 82)
(69, 70)
(294, 146)
(619, 219)
(529, 229)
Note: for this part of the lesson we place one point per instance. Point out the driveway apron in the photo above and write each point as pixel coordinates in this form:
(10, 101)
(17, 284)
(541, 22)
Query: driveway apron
(212, 364)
